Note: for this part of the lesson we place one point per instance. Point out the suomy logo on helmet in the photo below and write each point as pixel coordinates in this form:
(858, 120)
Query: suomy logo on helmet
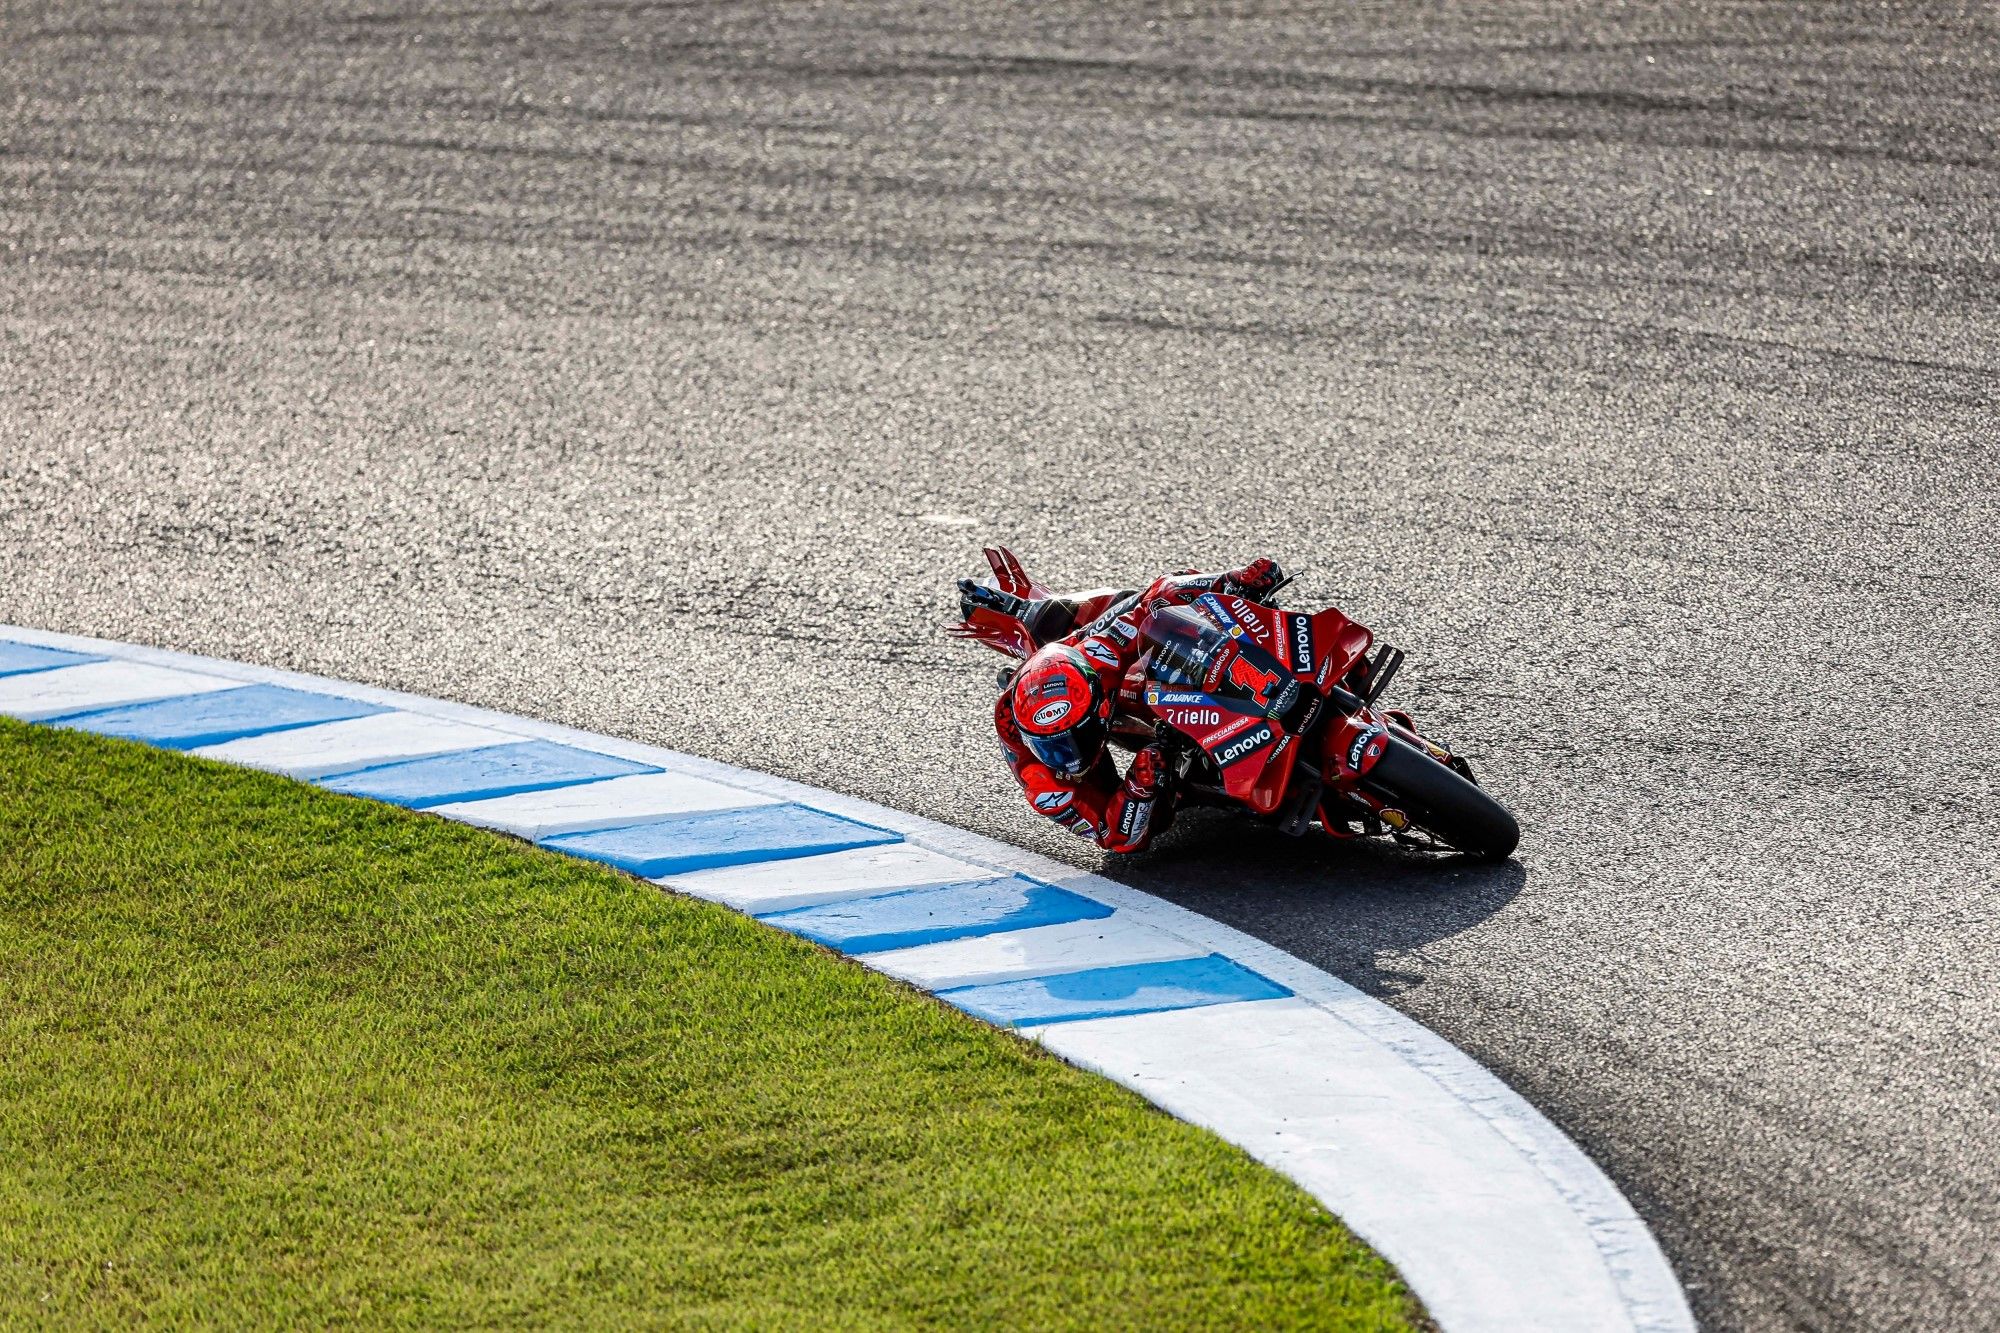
(1049, 714)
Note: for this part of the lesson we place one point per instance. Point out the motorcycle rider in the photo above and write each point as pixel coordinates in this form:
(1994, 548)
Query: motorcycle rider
(1054, 715)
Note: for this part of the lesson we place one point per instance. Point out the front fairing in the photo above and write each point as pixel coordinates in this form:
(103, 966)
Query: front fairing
(1210, 677)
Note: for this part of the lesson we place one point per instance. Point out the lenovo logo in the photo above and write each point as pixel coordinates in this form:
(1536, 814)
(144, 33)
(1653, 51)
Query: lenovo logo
(1236, 749)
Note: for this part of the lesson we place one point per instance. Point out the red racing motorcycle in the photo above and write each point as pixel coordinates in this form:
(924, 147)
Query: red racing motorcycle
(1272, 711)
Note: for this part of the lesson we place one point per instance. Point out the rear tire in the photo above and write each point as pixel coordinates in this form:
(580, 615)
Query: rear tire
(1441, 803)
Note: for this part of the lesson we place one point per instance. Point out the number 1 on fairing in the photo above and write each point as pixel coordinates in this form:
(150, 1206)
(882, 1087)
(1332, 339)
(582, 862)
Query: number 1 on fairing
(1251, 678)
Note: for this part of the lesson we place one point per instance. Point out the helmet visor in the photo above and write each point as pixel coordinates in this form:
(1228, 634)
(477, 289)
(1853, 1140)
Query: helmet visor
(1072, 752)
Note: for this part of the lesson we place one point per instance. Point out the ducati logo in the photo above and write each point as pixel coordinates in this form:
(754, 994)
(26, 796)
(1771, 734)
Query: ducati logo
(1364, 747)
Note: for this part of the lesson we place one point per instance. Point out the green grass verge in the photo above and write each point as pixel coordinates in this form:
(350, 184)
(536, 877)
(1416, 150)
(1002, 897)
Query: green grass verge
(270, 1056)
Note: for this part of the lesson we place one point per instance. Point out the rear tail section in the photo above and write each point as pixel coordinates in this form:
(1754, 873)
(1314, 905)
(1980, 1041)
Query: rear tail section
(994, 615)
(1012, 578)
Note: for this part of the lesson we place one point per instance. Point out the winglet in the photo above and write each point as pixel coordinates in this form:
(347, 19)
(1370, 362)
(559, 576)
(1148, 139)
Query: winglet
(1007, 569)
(999, 627)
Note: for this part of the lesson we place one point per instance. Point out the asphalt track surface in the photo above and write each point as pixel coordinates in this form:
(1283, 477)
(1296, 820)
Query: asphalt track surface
(652, 367)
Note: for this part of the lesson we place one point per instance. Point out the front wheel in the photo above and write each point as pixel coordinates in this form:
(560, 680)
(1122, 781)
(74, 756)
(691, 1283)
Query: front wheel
(1450, 808)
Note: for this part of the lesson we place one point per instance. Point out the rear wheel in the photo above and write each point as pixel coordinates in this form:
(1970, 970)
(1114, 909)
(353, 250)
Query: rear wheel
(1450, 808)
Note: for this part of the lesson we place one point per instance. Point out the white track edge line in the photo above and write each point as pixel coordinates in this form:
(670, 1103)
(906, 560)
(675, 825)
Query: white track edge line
(1650, 1296)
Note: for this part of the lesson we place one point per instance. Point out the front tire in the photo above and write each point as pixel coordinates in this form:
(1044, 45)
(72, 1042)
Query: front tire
(1450, 808)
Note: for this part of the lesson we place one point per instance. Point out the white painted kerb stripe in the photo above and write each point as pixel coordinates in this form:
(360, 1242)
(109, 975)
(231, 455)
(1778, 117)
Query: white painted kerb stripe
(1041, 951)
(600, 805)
(773, 886)
(1339, 1124)
(362, 742)
(72, 689)
(1494, 1218)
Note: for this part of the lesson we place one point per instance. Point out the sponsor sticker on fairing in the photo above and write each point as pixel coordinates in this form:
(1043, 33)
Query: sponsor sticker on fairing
(1241, 724)
(1304, 724)
(1246, 745)
(1177, 698)
(1218, 665)
(1365, 747)
(1211, 608)
(1194, 719)
(1301, 641)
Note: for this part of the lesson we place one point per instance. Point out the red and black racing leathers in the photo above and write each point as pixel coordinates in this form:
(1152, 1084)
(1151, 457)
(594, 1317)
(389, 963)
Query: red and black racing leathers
(1118, 814)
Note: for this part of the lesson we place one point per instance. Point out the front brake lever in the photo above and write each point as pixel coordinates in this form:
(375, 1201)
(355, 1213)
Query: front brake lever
(1271, 593)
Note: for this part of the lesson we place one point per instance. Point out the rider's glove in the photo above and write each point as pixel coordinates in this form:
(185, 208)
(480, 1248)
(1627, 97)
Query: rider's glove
(1256, 578)
(1148, 774)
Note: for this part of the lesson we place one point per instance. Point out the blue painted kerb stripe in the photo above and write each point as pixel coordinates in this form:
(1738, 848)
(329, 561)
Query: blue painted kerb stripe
(1111, 992)
(17, 659)
(908, 918)
(481, 774)
(720, 838)
(216, 716)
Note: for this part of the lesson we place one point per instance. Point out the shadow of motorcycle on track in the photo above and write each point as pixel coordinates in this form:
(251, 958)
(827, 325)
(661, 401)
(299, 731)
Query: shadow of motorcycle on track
(1361, 910)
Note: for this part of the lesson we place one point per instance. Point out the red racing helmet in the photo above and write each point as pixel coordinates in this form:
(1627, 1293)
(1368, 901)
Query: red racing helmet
(1062, 709)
